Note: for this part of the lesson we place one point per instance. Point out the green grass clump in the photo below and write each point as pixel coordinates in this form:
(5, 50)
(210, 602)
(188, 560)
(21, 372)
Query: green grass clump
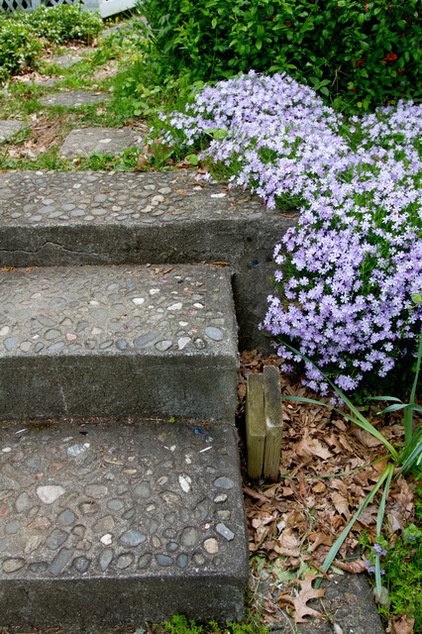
(401, 563)
(179, 624)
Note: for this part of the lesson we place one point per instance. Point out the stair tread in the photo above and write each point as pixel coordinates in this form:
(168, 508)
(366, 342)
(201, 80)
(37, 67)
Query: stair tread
(116, 310)
(75, 198)
(109, 340)
(152, 508)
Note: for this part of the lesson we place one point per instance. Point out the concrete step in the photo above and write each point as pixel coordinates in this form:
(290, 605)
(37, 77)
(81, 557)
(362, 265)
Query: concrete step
(111, 522)
(53, 218)
(117, 340)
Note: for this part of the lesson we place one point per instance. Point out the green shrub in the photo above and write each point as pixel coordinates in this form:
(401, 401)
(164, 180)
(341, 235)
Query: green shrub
(366, 53)
(19, 48)
(64, 23)
(23, 34)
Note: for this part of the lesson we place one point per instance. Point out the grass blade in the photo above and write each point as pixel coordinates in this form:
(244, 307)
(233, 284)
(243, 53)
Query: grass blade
(332, 554)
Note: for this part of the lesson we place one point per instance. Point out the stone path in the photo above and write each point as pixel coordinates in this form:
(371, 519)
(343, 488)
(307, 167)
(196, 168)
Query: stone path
(65, 218)
(10, 127)
(73, 99)
(100, 141)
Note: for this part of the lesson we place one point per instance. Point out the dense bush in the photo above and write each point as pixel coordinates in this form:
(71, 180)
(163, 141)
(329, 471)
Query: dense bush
(366, 52)
(23, 34)
(19, 48)
(64, 23)
(348, 270)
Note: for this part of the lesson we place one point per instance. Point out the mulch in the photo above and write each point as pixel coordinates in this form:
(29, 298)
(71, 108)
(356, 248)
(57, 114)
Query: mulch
(327, 468)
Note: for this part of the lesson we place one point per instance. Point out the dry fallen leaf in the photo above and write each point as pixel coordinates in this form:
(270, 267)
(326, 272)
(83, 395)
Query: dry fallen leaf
(403, 625)
(307, 593)
(354, 567)
(366, 438)
(309, 447)
(341, 504)
(287, 544)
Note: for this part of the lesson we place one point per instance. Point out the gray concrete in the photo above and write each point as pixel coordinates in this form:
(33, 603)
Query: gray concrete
(100, 141)
(52, 218)
(73, 99)
(10, 127)
(119, 521)
(103, 341)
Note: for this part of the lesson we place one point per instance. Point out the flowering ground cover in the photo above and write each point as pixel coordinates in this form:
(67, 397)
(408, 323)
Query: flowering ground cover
(346, 273)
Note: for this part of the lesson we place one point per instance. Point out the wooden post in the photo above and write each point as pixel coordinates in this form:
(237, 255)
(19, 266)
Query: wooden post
(255, 424)
(273, 423)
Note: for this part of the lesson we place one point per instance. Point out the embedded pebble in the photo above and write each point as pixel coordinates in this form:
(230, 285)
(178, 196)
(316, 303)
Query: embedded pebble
(211, 546)
(125, 560)
(164, 560)
(132, 538)
(163, 346)
(56, 539)
(81, 564)
(224, 531)
(106, 539)
(66, 518)
(60, 561)
(50, 493)
(12, 527)
(224, 483)
(214, 333)
(189, 536)
(76, 450)
(106, 558)
(144, 561)
(13, 565)
(96, 490)
(185, 483)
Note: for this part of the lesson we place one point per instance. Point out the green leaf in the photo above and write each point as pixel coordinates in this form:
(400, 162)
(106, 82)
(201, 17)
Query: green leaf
(220, 134)
(193, 159)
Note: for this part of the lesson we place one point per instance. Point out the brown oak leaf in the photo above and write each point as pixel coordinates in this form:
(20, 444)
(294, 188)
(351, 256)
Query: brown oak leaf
(307, 593)
(309, 447)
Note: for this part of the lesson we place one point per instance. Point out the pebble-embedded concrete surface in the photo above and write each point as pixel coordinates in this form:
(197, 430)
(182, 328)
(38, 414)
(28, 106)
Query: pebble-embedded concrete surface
(9, 127)
(89, 141)
(153, 509)
(56, 218)
(105, 340)
(73, 99)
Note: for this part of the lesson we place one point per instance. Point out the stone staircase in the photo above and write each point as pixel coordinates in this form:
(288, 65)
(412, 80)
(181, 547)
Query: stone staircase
(120, 487)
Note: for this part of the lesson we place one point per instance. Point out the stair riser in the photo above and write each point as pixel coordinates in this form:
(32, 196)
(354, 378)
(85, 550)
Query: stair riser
(246, 245)
(112, 386)
(119, 601)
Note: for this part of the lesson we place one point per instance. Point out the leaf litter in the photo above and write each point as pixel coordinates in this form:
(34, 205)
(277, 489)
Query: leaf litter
(327, 468)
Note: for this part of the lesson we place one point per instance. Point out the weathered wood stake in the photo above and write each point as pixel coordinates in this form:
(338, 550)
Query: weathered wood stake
(255, 424)
(264, 424)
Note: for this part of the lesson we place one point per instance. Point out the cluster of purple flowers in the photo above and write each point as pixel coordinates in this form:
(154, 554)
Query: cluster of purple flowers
(379, 551)
(346, 273)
